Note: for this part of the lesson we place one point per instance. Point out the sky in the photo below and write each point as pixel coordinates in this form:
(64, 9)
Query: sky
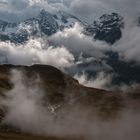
(86, 10)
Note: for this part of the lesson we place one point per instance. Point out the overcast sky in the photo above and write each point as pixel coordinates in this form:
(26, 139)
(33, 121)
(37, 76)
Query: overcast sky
(85, 9)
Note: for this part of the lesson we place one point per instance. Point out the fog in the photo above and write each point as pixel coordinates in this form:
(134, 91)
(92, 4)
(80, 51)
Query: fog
(101, 81)
(128, 46)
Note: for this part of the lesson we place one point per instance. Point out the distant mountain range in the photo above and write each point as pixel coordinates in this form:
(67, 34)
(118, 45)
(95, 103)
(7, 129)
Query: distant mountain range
(107, 28)
(44, 24)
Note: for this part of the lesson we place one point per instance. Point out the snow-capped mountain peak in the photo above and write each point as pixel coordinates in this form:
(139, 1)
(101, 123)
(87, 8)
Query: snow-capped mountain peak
(66, 20)
(44, 24)
(107, 28)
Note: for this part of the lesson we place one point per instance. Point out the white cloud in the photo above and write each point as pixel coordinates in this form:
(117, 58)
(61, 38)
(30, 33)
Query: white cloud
(25, 110)
(33, 52)
(91, 9)
(18, 10)
(129, 45)
(33, 2)
(77, 42)
(87, 10)
(101, 81)
(88, 53)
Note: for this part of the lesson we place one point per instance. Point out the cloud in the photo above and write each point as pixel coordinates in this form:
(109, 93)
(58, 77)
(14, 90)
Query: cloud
(77, 42)
(23, 105)
(91, 9)
(3, 2)
(128, 47)
(89, 54)
(33, 52)
(34, 2)
(18, 10)
(101, 80)
(87, 10)
(78, 52)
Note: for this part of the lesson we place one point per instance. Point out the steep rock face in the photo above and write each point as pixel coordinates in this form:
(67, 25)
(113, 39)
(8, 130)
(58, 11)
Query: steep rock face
(20, 32)
(5, 26)
(66, 20)
(107, 28)
(44, 24)
(13, 32)
(47, 23)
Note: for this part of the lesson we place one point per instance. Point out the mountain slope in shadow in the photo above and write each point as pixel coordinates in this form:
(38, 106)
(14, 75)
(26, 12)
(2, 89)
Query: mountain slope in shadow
(65, 92)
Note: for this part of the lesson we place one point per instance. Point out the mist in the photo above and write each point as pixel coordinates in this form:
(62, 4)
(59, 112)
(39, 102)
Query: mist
(26, 112)
(128, 45)
(101, 81)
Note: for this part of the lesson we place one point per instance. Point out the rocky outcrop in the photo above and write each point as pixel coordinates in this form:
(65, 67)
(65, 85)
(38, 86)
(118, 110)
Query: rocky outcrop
(107, 28)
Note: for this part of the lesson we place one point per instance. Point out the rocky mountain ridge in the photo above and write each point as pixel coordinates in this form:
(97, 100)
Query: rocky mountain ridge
(107, 28)
(44, 24)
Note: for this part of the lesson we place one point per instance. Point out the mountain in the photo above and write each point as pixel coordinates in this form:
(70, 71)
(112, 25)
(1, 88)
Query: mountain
(65, 92)
(57, 85)
(44, 24)
(66, 20)
(107, 28)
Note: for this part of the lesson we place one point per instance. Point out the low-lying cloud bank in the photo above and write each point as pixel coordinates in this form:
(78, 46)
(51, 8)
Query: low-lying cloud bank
(77, 42)
(35, 52)
(101, 81)
(128, 46)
